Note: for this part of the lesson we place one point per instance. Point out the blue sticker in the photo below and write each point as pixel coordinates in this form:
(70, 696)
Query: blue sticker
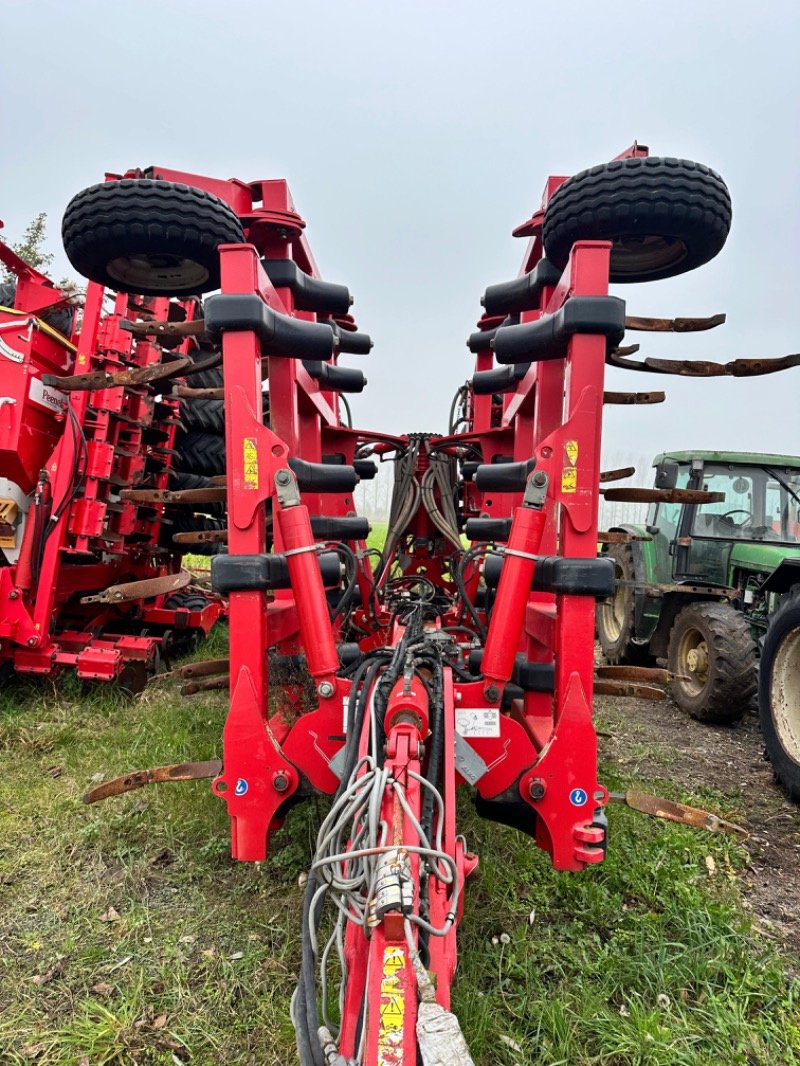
(241, 787)
(577, 797)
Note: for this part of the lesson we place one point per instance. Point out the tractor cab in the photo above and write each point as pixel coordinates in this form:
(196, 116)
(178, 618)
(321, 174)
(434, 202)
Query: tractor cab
(751, 528)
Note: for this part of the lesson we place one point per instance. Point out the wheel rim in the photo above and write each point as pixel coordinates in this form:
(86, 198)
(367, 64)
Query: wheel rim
(613, 613)
(646, 255)
(167, 272)
(692, 664)
(784, 694)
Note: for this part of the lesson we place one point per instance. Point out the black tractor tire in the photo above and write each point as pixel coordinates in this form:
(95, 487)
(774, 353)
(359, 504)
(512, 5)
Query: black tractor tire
(155, 238)
(664, 216)
(186, 522)
(179, 480)
(200, 453)
(615, 617)
(205, 379)
(779, 694)
(714, 657)
(205, 415)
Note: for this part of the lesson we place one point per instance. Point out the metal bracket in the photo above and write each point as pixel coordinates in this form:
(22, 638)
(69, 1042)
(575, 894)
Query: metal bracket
(536, 490)
(286, 489)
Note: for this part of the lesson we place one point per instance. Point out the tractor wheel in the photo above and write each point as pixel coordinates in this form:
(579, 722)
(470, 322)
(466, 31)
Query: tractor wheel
(779, 694)
(200, 453)
(713, 655)
(615, 618)
(155, 238)
(664, 216)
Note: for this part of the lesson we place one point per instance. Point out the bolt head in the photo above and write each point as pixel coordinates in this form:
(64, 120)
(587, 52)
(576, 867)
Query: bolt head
(492, 693)
(326, 689)
(537, 788)
(280, 782)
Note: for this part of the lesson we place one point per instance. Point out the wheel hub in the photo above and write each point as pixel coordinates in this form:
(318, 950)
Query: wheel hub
(697, 659)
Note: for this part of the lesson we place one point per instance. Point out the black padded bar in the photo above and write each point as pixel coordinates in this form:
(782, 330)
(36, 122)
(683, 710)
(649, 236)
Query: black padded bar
(481, 340)
(574, 577)
(487, 528)
(469, 470)
(280, 335)
(526, 676)
(500, 379)
(350, 341)
(348, 654)
(350, 527)
(565, 577)
(535, 677)
(521, 294)
(310, 294)
(336, 378)
(548, 337)
(366, 469)
(503, 477)
(322, 477)
(257, 573)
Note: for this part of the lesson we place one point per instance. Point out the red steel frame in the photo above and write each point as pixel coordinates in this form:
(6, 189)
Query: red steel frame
(97, 542)
(544, 753)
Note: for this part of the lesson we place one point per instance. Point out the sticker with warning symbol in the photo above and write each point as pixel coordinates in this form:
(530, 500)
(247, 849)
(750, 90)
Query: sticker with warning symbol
(392, 1006)
(250, 464)
(571, 450)
(569, 480)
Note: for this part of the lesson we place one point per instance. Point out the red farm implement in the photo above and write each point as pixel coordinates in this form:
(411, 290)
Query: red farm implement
(89, 576)
(387, 679)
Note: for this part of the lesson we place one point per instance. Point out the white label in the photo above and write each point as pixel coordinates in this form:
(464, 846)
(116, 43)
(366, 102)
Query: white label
(44, 396)
(478, 721)
(345, 708)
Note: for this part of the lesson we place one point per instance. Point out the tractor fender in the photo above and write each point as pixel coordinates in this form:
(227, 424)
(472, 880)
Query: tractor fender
(785, 575)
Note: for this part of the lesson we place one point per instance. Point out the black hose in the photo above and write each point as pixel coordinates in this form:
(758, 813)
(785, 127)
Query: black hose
(462, 588)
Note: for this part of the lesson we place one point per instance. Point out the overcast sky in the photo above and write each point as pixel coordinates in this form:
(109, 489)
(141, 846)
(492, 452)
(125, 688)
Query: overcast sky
(415, 136)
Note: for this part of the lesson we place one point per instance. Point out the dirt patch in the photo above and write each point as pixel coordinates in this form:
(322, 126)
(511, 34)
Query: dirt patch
(648, 739)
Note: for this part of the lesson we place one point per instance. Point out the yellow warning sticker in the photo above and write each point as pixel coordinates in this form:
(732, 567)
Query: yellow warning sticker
(571, 449)
(250, 463)
(392, 1006)
(569, 479)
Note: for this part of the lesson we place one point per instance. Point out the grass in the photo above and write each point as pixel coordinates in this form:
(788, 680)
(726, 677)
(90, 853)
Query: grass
(128, 936)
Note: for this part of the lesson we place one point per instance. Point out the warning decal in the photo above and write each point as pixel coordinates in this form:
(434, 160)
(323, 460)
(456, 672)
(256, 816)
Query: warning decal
(392, 1006)
(569, 479)
(571, 450)
(250, 463)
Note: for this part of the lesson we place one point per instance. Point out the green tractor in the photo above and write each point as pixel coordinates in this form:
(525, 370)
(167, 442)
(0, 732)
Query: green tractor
(696, 585)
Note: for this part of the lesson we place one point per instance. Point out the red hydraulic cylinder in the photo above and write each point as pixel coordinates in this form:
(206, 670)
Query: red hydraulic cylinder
(313, 615)
(513, 592)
